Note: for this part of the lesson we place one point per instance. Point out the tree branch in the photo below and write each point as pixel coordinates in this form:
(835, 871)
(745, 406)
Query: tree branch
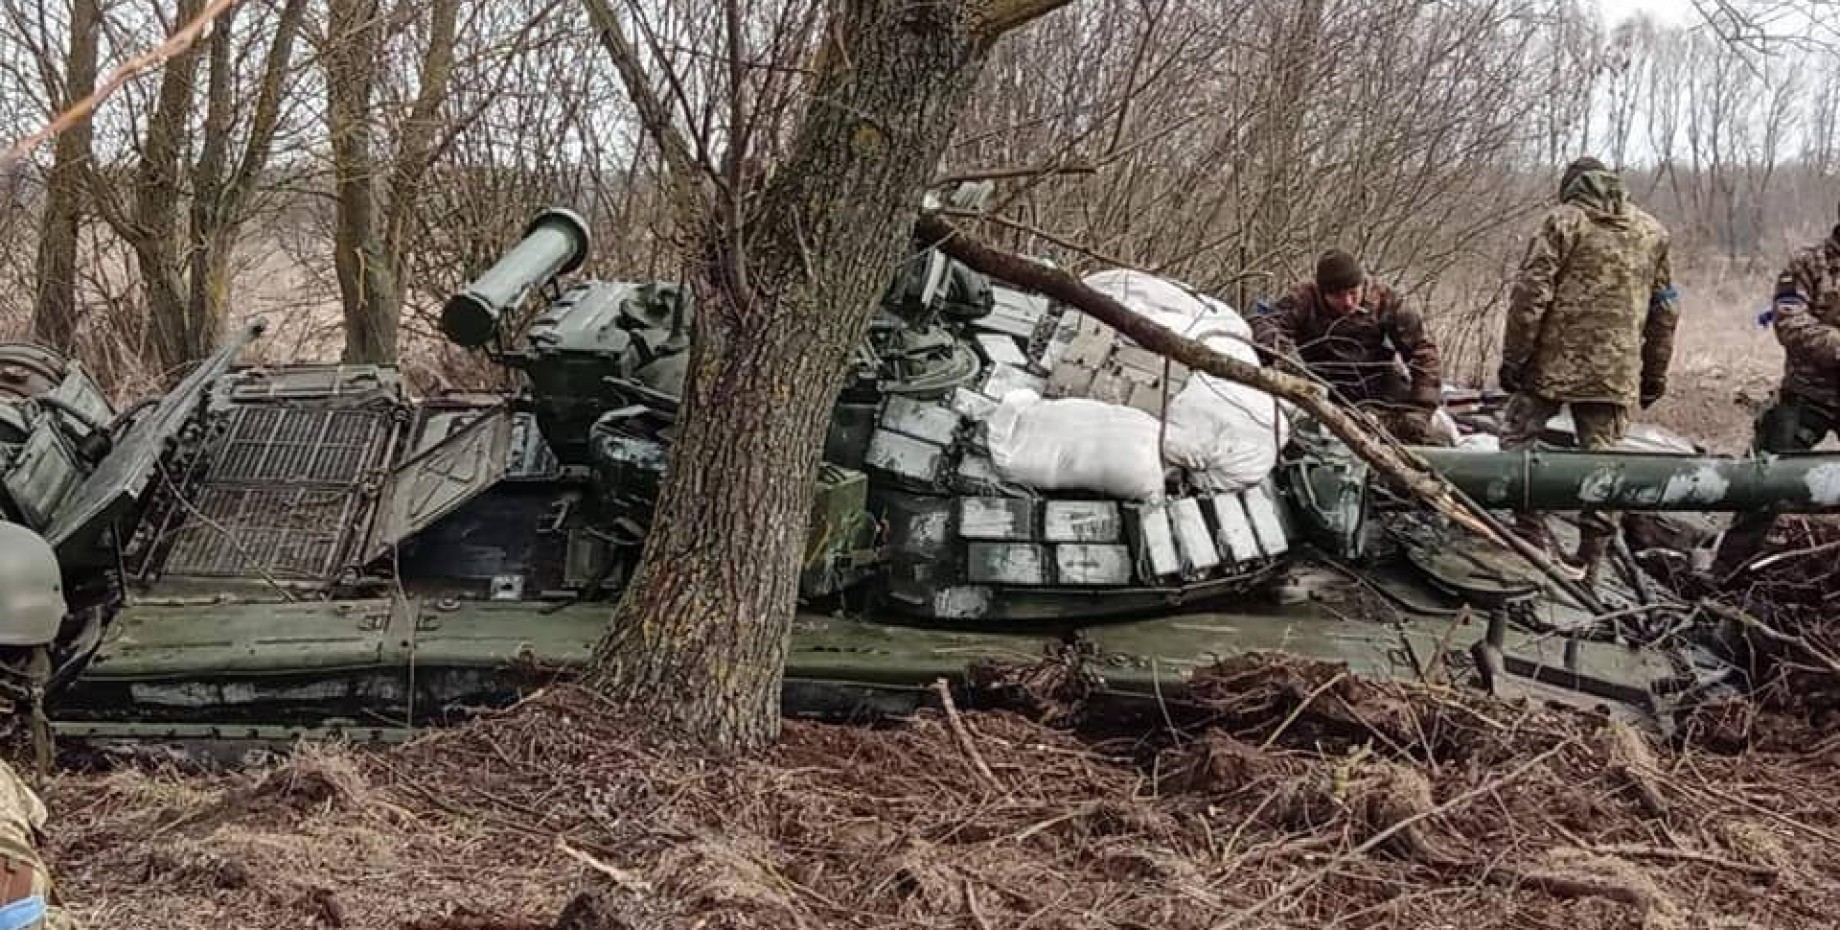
(1001, 16)
(1000, 174)
(680, 167)
(1042, 234)
(267, 118)
(176, 44)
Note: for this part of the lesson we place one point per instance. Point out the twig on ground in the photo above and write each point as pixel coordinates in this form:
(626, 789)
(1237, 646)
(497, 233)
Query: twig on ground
(1300, 708)
(963, 734)
(1638, 851)
(971, 902)
(619, 876)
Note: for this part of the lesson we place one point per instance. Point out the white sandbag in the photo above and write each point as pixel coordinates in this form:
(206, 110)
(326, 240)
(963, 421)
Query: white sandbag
(1076, 444)
(1159, 300)
(1225, 433)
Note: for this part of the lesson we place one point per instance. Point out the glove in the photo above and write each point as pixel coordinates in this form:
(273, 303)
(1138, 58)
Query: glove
(1413, 426)
(1652, 389)
(1510, 378)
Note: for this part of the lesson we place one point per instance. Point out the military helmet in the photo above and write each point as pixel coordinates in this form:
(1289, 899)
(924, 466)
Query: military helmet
(31, 588)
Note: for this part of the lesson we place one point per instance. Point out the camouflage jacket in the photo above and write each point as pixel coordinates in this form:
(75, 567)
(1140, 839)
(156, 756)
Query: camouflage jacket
(22, 872)
(1357, 353)
(1806, 307)
(1593, 310)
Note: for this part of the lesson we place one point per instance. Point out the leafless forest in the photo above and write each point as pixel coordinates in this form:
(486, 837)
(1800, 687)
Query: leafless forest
(1224, 142)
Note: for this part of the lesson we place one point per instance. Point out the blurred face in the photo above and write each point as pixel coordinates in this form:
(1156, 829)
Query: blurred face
(1344, 301)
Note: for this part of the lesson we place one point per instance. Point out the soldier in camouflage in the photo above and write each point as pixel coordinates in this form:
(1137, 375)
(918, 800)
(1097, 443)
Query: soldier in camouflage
(1805, 313)
(31, 608)
(1354, 334)
(27, 901)
(1591, 326)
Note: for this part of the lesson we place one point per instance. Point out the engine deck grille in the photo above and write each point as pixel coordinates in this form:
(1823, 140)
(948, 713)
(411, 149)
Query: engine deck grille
(268, 444)
(285, 532)
(283, 494)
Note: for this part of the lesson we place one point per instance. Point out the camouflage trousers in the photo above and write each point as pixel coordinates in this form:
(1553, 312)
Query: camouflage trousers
(22, 872)
(1599, 426)
(1791, 424)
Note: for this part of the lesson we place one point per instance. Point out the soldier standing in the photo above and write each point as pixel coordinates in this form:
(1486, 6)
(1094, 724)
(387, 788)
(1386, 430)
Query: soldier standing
(1590, 326)
(1805, 313)
(32, 607)
(1353, 333)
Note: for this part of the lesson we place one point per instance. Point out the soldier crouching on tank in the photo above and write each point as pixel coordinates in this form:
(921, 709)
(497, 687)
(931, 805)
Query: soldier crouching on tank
(32, 608)
(1353, 333)
(1805, 313)
(1590, 326)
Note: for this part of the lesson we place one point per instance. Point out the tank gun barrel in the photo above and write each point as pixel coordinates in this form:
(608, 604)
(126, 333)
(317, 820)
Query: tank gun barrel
(1569, 480)
(555, 243)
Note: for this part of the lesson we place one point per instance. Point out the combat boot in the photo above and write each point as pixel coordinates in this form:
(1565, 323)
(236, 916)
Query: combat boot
(1532, 528)
(1592, 547)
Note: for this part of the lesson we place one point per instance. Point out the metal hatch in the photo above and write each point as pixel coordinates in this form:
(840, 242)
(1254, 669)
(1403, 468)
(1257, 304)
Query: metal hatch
(120, 479)
(436, 482)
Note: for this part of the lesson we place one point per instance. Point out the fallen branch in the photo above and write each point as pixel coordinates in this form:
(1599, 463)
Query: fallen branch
(1575, 886)
(1790, 556)
(1635, 851)
(1631, 760)
(971, 902)
(1395, 462)
(957, 725)
(1300, 708)
(1828, 663)
(619, 876)
(1796, 823)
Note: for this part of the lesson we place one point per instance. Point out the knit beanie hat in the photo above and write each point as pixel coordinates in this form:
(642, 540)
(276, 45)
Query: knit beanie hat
(1338, 271)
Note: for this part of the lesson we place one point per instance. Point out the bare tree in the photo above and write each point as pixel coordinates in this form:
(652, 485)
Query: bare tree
(786, 259)
(373, 212)
(182, 214)
(54, 312)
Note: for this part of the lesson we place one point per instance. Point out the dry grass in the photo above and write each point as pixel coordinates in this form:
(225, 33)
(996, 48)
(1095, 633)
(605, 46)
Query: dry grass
(1379, 806)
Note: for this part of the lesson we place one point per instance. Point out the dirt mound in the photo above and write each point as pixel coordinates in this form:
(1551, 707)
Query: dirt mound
(1315, 799)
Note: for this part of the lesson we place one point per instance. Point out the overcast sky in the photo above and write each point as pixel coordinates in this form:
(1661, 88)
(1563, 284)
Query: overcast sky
(1675, 12)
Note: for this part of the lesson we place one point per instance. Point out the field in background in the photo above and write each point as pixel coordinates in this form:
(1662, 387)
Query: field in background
(1725, 363)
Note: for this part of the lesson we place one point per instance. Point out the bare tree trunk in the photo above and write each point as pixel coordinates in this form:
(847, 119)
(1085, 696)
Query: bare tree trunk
(701, 635)
(158, 191)
(371, 219)
(373, 305)
(209, 256)
(54, 312)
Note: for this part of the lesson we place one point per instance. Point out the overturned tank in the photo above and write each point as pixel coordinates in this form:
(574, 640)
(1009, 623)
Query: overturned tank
(270, 552)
